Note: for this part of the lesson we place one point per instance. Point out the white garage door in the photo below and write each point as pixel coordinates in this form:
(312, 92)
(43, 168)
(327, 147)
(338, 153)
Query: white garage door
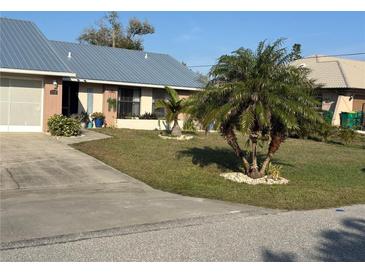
(21, 105)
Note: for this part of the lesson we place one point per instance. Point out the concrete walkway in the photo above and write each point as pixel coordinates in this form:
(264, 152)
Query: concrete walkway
(52, 192)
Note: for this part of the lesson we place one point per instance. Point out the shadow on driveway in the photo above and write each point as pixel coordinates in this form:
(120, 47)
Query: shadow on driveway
(343, 245)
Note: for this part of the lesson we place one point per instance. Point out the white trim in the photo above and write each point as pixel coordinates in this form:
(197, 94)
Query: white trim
(128, 84)
(42, 105)
(37, 72)
(21, 77)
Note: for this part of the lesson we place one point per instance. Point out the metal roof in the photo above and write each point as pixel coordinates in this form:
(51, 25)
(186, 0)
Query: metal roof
(24, 47)
(123, 65)
(333, 72)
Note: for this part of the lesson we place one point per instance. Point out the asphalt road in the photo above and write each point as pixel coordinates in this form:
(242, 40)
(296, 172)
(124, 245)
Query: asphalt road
(317, 235)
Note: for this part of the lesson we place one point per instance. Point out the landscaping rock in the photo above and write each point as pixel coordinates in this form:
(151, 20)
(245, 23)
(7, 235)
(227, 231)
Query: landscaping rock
(180, 138)
(239, 177)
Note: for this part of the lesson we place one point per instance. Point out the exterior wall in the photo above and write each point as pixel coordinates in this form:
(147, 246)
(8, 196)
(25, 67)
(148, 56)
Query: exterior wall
(146, 101)
(97, 90)
(52, 103)
(359, 100)
(146, 106)
(101, 94)
(342, 100)
(110, 115)
(344, 104)
(184, 94)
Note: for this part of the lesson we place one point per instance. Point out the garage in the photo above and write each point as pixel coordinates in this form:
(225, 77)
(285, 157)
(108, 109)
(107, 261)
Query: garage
(21, 105)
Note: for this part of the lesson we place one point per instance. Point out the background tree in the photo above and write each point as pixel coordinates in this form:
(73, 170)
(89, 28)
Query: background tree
(296, 52)
(109, 32)
(173, 107)
(259, 94)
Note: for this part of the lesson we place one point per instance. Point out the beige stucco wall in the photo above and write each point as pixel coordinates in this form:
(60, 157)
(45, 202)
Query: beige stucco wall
(343, 104)
(146, 100)
(359, 100)
(97, 90)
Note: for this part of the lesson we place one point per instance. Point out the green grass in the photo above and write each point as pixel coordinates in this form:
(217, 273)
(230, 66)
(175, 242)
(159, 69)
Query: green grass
(321, 175)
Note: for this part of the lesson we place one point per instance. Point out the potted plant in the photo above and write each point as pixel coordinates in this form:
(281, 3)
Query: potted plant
(84, 119)
(98, 118)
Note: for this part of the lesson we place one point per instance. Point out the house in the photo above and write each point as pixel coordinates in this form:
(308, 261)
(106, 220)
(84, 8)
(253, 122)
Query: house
(40, 78)
(343, 83)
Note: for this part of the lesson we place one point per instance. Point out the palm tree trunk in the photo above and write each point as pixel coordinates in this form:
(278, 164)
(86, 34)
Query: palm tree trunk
(231, 139)
(254, 169)
(176, 130)
(276, 140)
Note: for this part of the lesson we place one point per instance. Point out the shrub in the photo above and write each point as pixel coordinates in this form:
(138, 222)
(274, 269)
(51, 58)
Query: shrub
(347, 135)
(189, 125)
(97, 115)
(60, 125)
(148, 116)
(274, 171)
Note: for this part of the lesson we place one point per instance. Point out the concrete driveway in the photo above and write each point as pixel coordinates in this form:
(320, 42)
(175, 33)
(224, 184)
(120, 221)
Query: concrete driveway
(52, 192)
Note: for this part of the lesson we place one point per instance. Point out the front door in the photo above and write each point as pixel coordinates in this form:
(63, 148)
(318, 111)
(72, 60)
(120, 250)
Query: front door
(70, 98)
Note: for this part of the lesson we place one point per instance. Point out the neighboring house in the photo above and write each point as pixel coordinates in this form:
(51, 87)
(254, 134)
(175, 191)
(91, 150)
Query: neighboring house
(343, 83)
(40, 78)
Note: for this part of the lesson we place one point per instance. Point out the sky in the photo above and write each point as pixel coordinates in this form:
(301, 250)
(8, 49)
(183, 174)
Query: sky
(199, 38)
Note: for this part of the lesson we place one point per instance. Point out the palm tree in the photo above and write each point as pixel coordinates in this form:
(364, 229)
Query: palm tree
(259, 94)
(173, 106)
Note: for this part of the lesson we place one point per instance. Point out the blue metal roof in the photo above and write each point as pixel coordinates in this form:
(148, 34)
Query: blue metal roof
(123, 65)
(23, 46)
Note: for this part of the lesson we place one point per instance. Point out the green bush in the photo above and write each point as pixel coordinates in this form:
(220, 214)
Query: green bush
(189, 125)
(148, 116)
(59, 125)
(274, 171)
(347, 135)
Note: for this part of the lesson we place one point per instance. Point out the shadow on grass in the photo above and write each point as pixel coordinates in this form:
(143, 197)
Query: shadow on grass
(224, 158)
(344, 245)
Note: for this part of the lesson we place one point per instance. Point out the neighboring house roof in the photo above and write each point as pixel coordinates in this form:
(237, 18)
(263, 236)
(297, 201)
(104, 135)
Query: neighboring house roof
(123, 65)
(333, 72)
(24, 47)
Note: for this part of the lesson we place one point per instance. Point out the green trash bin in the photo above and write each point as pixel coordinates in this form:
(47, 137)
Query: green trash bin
(327, 116)
(349, 119)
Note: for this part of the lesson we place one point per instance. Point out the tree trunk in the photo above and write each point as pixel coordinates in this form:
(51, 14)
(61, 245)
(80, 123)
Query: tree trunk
(176, 130)
(231, 139)
(254, 169)
(276, 140)
(113, 38)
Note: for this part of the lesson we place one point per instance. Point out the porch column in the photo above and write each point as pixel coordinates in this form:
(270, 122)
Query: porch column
(110, 114)
(146, 101)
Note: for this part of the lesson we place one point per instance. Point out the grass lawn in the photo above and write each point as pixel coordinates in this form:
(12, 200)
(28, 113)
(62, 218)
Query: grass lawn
(321, 174)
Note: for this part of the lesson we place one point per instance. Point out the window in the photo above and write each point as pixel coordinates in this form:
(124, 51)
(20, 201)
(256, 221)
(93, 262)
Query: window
(128, 102)
(90, 100)
(158, 94)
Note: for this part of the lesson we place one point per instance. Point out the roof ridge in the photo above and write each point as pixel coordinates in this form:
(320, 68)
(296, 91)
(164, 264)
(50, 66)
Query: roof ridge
(342, 73)
(330, 56)
(52, 49)
(90, 45)
(14, 19)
